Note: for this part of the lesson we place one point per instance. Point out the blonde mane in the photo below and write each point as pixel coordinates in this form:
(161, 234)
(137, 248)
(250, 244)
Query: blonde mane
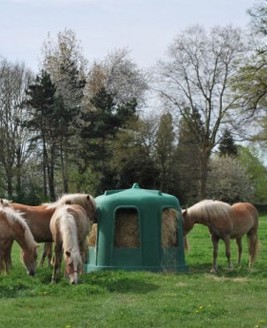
(210, 211)
(77, 198)
(14, 217)
(68, 230)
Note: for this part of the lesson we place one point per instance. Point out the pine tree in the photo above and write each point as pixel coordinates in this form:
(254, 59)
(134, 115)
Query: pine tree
(227, 146)
(41, 105)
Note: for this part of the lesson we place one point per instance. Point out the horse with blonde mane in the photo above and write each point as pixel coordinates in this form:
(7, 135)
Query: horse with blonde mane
(69, 226)
(38, 216)
(225, 222)
(13, 227)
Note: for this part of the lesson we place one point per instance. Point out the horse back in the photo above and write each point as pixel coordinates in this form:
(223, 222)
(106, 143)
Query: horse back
(245, 217)
(38, 218)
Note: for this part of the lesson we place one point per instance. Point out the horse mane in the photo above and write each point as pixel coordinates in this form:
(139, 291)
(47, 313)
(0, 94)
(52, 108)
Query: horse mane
(76, 198)
(5, 202)
(69, 232)
(14, 216)
(210, 210)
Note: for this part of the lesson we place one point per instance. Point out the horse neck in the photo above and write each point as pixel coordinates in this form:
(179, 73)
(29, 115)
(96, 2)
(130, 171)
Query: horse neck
(23, 236)
(201, 219)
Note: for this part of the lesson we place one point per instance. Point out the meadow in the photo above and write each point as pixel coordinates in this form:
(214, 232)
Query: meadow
(197, 298)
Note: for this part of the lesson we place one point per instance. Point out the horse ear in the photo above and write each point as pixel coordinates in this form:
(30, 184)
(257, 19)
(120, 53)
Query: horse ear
(67, 253)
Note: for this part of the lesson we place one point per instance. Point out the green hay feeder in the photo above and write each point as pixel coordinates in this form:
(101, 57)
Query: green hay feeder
(130, 232)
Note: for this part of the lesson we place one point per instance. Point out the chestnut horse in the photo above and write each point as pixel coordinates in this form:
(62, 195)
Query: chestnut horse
(69, 226)
(38, 217)
(225, 222)
(13, 227)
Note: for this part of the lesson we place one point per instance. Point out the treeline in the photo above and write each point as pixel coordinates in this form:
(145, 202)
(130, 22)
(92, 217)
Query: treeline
(77, 127)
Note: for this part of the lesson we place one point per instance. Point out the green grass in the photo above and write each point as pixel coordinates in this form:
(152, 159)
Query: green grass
(198, 298)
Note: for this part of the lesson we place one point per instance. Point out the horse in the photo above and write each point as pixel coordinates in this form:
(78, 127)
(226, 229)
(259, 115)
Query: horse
(13, 227)
(38, 216)
(225, 222)
(69, 226)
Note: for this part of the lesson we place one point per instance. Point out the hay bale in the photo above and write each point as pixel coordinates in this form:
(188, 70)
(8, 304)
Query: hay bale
(169, 237)
(127, 229)
(92, 235)
(127, 233)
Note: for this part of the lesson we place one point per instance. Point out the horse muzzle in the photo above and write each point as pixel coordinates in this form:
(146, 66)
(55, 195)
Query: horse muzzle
(31, 273)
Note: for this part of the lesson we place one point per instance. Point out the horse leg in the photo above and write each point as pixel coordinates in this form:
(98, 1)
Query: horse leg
(226, 240)
(253, 246)
(56, 262)
(7, 255)
(2, 262)
(215, 241)
(239, 246)
(47, 252)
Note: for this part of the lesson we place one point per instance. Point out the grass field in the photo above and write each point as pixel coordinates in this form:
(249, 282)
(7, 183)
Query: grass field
(236, 298)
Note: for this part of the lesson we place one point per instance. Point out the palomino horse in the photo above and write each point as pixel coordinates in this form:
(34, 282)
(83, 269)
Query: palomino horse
(69, 227)
(225, 222)
(13, 227)
(38, 217)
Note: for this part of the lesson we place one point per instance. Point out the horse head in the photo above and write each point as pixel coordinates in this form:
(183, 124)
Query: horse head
(85, 200)
(73, 265)
(29, 258)
(187, 222)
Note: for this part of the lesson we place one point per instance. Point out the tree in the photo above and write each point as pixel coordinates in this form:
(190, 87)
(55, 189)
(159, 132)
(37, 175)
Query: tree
(228, 180)
(164, 150)
(67, 68)
(197, 77)
(43, 122)
(14, 80)
(187, 158)
(250, 82)
(133, 152)
(256, 171)
(227, 145)
(114, 91)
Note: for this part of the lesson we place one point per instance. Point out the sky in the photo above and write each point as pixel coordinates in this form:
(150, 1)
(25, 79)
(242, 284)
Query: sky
(144, 27)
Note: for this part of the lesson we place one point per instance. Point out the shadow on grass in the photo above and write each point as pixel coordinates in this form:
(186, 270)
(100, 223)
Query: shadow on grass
(257, 271)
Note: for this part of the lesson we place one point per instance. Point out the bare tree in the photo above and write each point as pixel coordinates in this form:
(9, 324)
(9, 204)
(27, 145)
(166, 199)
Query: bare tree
(14, 80)
(196, 76)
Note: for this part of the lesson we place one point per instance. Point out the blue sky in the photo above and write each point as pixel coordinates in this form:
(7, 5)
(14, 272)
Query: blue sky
(145, 27)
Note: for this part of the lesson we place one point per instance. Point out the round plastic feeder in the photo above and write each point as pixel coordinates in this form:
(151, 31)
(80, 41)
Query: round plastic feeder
(137, 229)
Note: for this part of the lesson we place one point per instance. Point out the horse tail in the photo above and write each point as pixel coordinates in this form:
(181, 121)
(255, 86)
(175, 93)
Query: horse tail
(253, 241)
(186, 244)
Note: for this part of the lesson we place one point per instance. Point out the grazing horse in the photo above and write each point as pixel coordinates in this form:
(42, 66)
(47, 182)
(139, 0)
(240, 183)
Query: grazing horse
(38, 217)
(69, 227)
(13, 227)
(225, 222)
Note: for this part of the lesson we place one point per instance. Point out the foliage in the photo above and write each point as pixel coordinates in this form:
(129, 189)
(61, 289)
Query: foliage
(256, 172)
(228, 180)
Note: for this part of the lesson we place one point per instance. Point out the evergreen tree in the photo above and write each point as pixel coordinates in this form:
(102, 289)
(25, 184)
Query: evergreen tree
(164, 152)
(42, 121)
(227, 145)
(101, 125)
(188, 154)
